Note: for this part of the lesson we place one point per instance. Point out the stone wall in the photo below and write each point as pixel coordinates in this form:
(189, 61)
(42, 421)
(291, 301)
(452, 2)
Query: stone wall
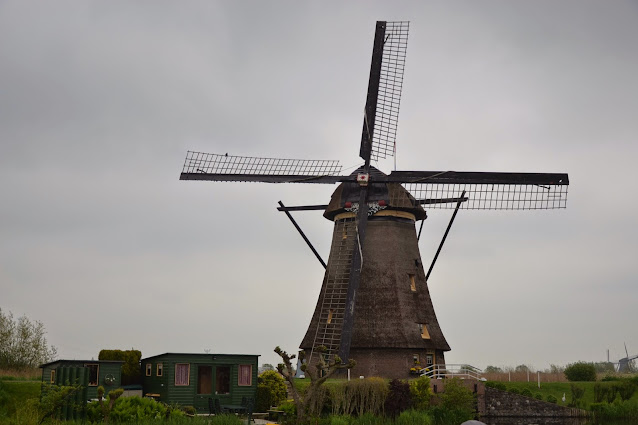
(501, 403)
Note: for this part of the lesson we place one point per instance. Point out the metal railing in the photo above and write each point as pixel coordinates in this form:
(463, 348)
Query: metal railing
(462, 371)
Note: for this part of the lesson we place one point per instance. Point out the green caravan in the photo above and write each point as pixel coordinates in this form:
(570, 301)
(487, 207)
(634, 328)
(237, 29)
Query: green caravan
(193, 379)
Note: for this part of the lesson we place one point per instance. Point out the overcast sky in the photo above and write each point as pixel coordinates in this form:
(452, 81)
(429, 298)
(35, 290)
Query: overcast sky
(99, 102)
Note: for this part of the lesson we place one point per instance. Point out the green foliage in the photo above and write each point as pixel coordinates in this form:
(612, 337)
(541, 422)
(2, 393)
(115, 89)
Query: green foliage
(15, 394)
(601, 392)
(223, 420)
(411, 417)
(190, 410)
(580, 372)
(552, 399)
(493, 369)
(495, 384)
(626, 389)
(359, 396)
(107, 407)
(514, 390)
(526, 392)
(458, 397)
(368, 419)
(420, 392)
(538, 396)
(612, 392)
(618, 410)
(577, 396)
(289, 408)
(445, 416)
(271, 390)
(398, 399)
(53, 397)
(133, 409)
(23, 344)
(4, 400)
(131, 373)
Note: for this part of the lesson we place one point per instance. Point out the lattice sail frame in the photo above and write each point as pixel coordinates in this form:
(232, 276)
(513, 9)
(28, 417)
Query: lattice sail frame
(210, 163)
(488, 196)
(390, 85)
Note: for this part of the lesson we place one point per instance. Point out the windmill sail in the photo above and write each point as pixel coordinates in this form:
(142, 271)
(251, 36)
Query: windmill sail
(487, 190)
(384, 90)
(227, 168)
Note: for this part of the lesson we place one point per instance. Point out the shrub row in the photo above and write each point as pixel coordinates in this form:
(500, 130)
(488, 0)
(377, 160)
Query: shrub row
(383, 402)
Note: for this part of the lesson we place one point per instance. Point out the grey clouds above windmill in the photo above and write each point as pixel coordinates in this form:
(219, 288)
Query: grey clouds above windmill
(345, 321)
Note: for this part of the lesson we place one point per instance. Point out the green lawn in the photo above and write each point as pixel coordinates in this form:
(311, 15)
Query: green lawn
(13, 393)
(557, 389)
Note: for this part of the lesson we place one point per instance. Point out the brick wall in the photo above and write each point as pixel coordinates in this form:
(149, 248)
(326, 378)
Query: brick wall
(387, 363)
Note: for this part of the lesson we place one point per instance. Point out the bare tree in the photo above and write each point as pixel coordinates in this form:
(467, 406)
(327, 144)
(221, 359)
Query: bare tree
(322, 372)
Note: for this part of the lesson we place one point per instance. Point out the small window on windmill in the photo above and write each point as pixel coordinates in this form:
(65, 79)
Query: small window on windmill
(329, 317)
(160, 369)
(149, 369)
(415, 358)
(412, 282)
(429, 359)
(53, 376)
(423, 329)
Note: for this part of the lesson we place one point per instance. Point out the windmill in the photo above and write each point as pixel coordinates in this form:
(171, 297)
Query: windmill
(374, 304)
(624, 364)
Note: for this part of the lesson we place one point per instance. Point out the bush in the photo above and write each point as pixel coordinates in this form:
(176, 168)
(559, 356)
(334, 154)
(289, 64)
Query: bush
(133, 409)
(612, 391)
(420, 393)
(538, 396)
(271, 390)
(458, 397)
(442, 415)
(398, 399)
(495, 384)
(600, 392)
(626, 389)
(190, 410)
(514, 391)
(131, 373)
(411, 417)
(552, 399)
(580, 372)
(526, 392)
(290, 412)
(359, 396)
(577, 396)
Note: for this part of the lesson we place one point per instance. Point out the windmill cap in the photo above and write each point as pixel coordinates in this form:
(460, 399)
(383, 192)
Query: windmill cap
(393, 195)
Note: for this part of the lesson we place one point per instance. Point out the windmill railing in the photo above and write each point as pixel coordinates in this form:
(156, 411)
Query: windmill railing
(462, 371)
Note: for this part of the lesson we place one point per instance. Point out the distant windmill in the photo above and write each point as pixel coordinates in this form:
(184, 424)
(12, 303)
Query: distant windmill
(374, 304)
(624, 365)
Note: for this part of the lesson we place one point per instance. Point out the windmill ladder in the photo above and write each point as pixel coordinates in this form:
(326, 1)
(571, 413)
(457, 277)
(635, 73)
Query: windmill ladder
(333, 304)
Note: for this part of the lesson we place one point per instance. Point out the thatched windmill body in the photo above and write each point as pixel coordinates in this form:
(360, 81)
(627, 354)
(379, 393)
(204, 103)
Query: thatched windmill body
(374, 305)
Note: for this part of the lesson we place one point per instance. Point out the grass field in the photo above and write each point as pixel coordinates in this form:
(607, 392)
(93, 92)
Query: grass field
(15, 392)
